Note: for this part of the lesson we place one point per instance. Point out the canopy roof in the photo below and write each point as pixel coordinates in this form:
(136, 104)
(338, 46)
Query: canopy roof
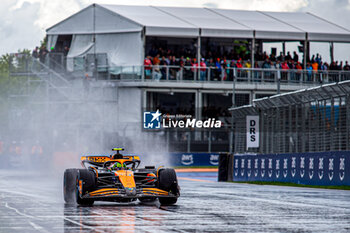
(205, 22)
(319, 93)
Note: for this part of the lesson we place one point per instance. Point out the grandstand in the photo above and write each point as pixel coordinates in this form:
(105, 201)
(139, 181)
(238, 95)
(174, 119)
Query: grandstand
(97, 63)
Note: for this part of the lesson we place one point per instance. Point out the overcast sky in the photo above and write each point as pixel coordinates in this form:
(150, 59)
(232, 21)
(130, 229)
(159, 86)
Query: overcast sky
(23, 22)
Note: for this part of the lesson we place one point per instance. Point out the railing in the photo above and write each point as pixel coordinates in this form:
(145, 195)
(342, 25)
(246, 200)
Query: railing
(213, 74)
(258, 75)
(57, 62)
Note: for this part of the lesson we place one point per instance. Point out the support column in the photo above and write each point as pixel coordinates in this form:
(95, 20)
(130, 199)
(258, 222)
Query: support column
(331, 51)
(306, 49)
(253, 53)
(277, 132)
(303, 128)
(262, 132)
(296, 128)
(268, 132)
(144, 100)
(324, 124)
(198, 111)
(284, 48)
(290, 135)
(347, 122)
(332, 124)
(232, 135)
(143, 54)
(199, 54)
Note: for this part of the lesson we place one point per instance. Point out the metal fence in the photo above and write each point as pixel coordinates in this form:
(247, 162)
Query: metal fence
(309, 120)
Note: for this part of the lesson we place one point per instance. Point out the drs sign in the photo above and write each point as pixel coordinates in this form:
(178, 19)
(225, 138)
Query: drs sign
(252, 131)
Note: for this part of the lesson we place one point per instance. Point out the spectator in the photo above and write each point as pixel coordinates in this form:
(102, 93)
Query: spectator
(194, 68)
(248, 64)
(298, 66)
(239, 64)
(273, 57)
(266, 64)
(314, 66)
(265, 56)
(318, 58)
(35, 52)
(156, 72)
(173, 71)
(313, 59)
(288, 57)
(280, 57)
(42, 54)
(218, 69)
(203, 69)
(187, 69)
(340, 66)
(164, 64)
(295, 57)
(156, 59)
(148, 66)
(309, 72)
(65, 50)
(228, 70)
(324, 66)
(333, 66)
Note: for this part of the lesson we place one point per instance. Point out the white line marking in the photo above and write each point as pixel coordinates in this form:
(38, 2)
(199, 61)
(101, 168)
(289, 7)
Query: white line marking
(37, 227)
(18, 212)
(23, 194)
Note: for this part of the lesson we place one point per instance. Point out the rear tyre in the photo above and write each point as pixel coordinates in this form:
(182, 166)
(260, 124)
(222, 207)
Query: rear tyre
(167, 181)
(69, 185)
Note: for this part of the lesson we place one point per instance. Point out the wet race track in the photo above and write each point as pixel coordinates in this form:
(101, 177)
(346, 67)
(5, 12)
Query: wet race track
(33, 203)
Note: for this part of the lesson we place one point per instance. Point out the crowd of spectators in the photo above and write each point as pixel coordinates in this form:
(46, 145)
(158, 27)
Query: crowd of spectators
(53, 58)
(164, 65)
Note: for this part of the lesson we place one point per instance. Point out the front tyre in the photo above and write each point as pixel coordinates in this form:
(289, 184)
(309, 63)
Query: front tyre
(88, 180)
(71, 185)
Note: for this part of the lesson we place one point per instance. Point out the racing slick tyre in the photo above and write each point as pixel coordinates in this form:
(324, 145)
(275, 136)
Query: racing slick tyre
(89, 182)
(167, 181)
(69, 185)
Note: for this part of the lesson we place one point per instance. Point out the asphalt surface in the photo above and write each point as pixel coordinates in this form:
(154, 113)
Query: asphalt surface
(30, 202)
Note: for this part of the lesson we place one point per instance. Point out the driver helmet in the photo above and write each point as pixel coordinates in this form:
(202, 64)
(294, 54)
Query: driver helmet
(118, 165)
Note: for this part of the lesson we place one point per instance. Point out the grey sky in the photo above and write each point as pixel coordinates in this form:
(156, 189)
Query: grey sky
(23, 22)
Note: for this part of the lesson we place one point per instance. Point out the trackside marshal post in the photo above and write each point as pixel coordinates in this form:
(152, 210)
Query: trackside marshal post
(252, 132)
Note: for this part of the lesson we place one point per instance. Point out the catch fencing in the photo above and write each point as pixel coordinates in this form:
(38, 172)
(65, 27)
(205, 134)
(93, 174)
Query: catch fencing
(310, 120)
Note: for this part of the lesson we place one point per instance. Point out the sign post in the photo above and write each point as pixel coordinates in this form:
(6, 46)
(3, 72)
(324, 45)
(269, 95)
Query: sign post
(252, 132)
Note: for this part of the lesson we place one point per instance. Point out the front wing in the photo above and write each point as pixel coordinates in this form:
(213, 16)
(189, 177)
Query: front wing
(121, 193)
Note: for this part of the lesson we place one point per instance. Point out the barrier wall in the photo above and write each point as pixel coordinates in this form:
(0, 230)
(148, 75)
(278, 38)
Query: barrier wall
(194, 159)
(324, 168)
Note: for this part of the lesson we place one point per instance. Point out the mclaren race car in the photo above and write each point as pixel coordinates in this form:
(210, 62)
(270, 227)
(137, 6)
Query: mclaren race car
(117, 178)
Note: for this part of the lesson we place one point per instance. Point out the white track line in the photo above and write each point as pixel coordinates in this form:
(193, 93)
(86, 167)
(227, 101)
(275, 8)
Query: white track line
(35, 226)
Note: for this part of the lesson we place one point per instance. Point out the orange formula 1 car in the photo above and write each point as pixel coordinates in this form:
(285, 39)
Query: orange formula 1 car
(117, 178)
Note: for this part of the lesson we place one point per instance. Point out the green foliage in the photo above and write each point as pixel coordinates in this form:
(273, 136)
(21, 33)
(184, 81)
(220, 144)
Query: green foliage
(43, 42)
(4, 64)
(10, 84)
